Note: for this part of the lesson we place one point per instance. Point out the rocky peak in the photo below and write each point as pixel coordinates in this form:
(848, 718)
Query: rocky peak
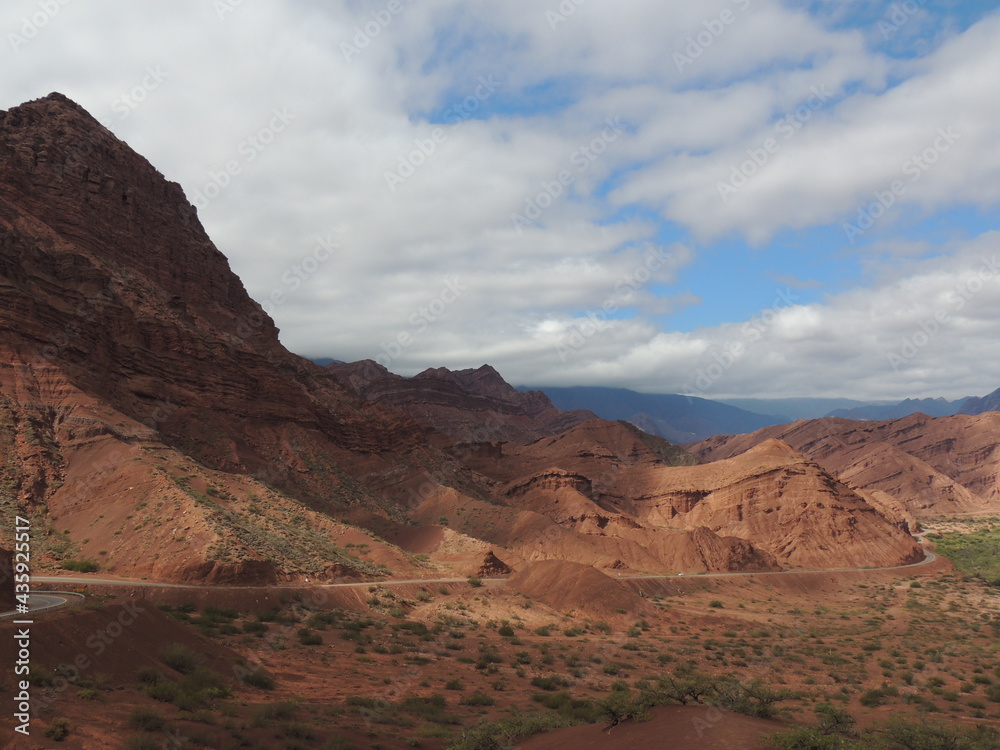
(96, 209)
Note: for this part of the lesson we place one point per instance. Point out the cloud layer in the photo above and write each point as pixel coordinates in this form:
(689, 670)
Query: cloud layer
(452, 183)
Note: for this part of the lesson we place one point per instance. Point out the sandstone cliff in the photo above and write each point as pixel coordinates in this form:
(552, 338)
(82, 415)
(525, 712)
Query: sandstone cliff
(924, 465)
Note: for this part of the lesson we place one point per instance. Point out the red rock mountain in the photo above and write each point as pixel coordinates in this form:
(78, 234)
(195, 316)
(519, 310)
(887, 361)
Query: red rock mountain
(923, 465)
(470, 406)
(151, 422)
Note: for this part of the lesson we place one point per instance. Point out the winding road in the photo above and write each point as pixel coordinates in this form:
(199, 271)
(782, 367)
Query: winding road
(41, 601)
(54, 599)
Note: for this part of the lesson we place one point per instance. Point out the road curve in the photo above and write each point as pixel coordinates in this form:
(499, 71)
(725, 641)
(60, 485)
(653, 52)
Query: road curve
(41, 601)
(929, 557)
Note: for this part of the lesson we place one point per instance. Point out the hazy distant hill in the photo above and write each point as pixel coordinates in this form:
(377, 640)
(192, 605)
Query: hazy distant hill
(791, 409)
(679, 419)
(932, 407)
(981, 405)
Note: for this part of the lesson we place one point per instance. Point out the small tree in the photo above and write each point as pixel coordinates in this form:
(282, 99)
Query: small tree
(622, 705)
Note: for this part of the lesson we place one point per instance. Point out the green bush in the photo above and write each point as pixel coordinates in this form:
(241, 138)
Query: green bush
(146, 719)
(478, 698)
(57, 730)
(309, 638)
(179, 658)
(872, 698)
(81, 566)
(261, 679)
(507, 732)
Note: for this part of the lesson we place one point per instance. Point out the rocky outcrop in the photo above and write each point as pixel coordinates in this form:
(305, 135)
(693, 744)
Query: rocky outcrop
(493, 566)
(926, 465)
(7, 600)
(572, 587)
(470, 406)
(149, 414)
(975, 405)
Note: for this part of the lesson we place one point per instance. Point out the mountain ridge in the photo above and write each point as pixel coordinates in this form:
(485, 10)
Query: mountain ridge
(152, 424)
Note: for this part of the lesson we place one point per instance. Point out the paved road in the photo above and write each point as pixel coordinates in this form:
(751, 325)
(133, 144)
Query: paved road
(929, 557)
(155, 584)
(42, 601)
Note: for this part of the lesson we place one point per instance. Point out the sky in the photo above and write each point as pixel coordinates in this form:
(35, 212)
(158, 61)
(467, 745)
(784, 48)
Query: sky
(723, 198)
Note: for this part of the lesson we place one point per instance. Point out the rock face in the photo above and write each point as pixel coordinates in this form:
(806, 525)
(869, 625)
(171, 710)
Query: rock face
(974, 405)
(135, 368)
(151, 421)
(470, 406)
(924, 465)
(493, 566)
(7, 600)
(567, 586)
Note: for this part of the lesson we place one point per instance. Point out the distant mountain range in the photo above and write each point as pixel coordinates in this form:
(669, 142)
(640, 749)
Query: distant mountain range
(679, 419)
(683, 419)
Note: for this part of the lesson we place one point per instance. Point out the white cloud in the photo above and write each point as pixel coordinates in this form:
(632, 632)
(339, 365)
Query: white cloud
(357, 115)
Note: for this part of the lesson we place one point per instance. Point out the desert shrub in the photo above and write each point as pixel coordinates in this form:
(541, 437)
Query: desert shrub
(872, 698)
(506, 631)
(58, 729)
(812, 738)
(146, 719)
(925, 735)
(309, 638)
(165, 692)
(834, 720)
(40, 676)
(553, 682)
(81, 566)
(266, 714)
(255, 627)
(261, 679)
(475, 582)
(753, 698)
(478, 698)
(621, 705)
(179, 658)
(574, 710)
(507, 732)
